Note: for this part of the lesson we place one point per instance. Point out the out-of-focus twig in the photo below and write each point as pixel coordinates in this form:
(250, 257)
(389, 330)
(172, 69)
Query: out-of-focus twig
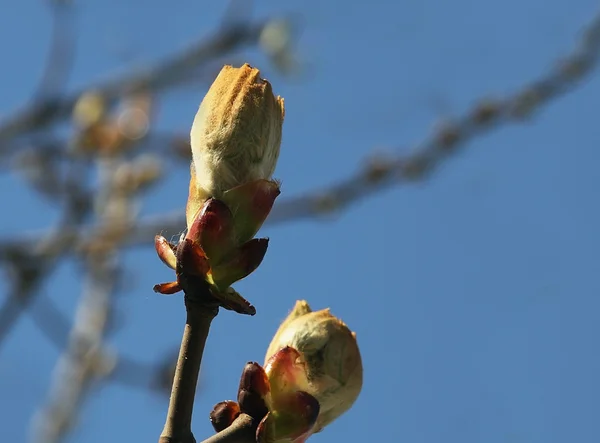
(61, 54)
(156, 79)
(82, 361)
(30, 265)
(125, 370)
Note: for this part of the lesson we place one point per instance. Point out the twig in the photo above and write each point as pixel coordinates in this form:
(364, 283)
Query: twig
(62, 49)
(125, 370)
(31, 265)
(24, 286)
(78, 366)
(242, 430)
(83, 361)
(41, 114)
(178, 425)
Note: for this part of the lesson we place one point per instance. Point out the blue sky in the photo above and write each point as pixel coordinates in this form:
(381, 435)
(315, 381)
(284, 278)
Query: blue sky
(474, 295)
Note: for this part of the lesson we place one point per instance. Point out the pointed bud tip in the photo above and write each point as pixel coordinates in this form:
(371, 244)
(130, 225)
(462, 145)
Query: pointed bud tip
(236, 134)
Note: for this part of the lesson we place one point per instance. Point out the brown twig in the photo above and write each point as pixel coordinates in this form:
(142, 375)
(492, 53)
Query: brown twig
(242, 430)
(42, 113)
(200, 313)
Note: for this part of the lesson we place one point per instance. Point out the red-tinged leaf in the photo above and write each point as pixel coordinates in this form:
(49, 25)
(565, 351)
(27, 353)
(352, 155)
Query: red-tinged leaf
(250, 205)
(232, 300)
(265, 432)
(286, 371)
(212, 229)
(254, 391)
(294, 421)
(223, 414)
(240, 263)
(165, 251)
(191, 259)
(167, 288)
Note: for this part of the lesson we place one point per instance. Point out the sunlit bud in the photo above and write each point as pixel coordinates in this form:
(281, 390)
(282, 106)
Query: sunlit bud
(273, 395)
(236, 135)
(330, 357)
(235, 143)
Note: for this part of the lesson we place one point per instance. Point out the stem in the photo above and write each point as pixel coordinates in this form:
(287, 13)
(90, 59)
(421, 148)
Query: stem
(200, 313)
(242, 430)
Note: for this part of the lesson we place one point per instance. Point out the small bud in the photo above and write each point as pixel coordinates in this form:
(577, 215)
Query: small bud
(223, 414)
(253, 391)
(273, 396)
(236, 135)
(312, 374)
(330, 356)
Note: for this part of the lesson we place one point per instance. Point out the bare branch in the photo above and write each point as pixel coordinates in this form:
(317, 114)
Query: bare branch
(127, 371)
(156, 79)
(62, 50)
(242, 430)
(178, 425)
(29, 265)
(79, 365)
(84, 361)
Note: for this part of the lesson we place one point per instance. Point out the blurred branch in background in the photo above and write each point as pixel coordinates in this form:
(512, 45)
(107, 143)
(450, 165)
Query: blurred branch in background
(62, 51)
(163, 76)
(111, 133)
(85, 361)
(380, 172)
